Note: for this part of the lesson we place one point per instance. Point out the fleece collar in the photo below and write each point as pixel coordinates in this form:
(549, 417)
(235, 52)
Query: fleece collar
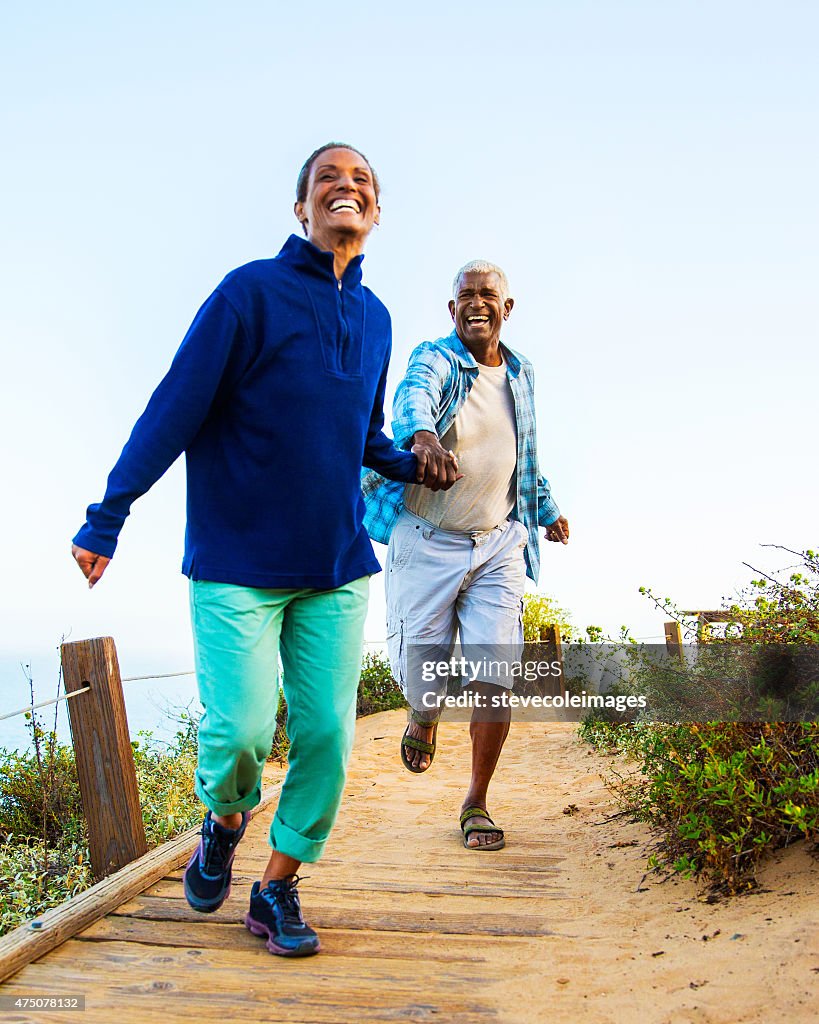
(303, 255)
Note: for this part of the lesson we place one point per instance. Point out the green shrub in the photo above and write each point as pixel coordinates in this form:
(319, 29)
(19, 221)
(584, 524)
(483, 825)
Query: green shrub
(43, 840)
(281, 741)
(29, 888)
(377, 690)
(540, 610)
(165, 777)
(723, 794)
(40, 800)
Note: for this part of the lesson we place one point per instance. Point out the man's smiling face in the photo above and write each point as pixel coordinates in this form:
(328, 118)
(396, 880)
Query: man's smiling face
(479, 308)
(341, 198)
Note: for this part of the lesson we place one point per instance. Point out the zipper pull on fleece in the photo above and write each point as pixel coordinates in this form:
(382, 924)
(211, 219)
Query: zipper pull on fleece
(339, 285)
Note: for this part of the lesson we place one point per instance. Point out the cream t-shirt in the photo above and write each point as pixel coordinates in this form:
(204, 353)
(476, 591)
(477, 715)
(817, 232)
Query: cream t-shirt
(484, 439)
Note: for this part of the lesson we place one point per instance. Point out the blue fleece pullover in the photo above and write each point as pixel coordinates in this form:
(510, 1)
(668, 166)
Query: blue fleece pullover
(276, 397)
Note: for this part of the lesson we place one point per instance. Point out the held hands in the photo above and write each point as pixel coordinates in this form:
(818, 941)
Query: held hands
(558, 530)
(92, 565)
(437, 468)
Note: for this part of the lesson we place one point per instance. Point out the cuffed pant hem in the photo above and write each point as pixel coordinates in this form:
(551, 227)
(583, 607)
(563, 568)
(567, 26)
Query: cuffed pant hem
(217, 807)
(292, 844)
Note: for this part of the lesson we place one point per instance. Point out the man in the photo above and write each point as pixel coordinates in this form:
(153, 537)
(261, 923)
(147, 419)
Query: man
(458, 561)
(276, 398)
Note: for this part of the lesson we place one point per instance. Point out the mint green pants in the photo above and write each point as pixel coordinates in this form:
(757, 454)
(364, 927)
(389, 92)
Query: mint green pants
(238, 634)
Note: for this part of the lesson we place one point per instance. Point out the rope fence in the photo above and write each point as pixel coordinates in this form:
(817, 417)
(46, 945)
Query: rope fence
(162, 675)
(44, 704)
(75, 693)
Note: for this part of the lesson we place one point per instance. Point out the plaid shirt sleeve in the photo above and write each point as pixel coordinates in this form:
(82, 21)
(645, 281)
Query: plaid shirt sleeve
(547, 510)
(417, 401)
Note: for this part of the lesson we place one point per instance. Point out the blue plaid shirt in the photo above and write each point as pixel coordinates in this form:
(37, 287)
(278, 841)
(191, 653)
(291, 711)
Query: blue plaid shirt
(438, 380)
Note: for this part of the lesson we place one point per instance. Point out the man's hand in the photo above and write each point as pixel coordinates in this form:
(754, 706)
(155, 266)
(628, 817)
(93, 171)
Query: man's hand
(437, 468)
(92, 565)
(558, 530)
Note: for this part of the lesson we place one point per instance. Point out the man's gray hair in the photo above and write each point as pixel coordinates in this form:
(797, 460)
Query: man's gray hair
(481, 267)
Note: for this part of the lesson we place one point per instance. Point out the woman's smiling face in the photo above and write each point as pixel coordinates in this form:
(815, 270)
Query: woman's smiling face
(341, 198)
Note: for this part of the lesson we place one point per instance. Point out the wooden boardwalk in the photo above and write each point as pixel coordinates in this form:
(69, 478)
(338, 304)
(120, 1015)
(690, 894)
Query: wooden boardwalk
(414, 927)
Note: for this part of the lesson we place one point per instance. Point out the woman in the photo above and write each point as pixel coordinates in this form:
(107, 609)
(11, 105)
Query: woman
(276, 397)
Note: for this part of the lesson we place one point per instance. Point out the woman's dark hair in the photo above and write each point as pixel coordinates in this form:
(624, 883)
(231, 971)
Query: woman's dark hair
(304, 173)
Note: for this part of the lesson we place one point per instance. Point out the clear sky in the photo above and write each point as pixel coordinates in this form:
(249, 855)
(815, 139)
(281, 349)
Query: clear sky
(645, 173)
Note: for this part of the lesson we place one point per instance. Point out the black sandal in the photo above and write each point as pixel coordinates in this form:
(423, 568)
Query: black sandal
(416, 744)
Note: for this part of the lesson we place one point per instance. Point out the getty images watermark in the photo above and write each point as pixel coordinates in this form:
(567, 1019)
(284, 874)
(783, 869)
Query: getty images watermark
(531, 671)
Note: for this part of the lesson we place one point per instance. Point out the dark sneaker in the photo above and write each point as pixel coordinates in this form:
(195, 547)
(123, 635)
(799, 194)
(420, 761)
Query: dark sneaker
(275, 911)
(207, 876)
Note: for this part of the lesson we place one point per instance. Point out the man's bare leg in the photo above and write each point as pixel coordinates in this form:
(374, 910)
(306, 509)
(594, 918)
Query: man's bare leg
(419, 758)
(489, 728)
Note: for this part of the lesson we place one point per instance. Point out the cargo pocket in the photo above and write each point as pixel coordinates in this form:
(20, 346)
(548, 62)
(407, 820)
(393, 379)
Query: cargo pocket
(397, 653)
(510, 624)
(405, 538)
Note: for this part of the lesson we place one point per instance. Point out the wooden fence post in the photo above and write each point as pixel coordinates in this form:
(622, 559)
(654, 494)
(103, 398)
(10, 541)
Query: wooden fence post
(104, 756)
(551, 635)
(673, 639)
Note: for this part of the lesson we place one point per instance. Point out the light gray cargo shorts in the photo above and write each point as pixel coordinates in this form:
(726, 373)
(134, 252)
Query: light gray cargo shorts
(440, 584)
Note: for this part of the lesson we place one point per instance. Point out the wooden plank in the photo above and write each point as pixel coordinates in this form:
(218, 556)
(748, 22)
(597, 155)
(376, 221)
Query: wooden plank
(704, 620)
(206, 934)
(713, 616)
(117, 960)
(382, 880)
(263, 1008)
(131, 982)
(465, 864)
(471, 864)
(374, 919)
(550, 636)
(312, 1004)
(404, 937)
(37, 937)
(104, 755)
(418, 888)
